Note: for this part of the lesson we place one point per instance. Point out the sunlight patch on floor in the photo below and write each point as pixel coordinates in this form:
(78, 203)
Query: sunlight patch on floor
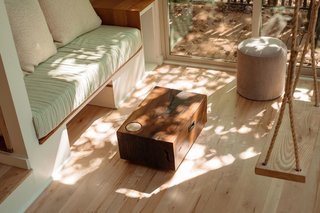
(302, 94)
(188, 170)
(134, 193)
(193, 79)
(197, 162)
(102, 132)
(96, 134)
(249, 153)
(220, 130)
(75, 172)
(276, 106)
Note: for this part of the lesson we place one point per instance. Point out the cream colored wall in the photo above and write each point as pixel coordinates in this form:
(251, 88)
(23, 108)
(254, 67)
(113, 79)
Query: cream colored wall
(13, 93)
(28, 153)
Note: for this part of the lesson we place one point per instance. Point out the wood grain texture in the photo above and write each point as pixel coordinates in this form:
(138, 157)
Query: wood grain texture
(124, 13)
(217, 174)
(282, 161)
(10, 178)
(170, 120)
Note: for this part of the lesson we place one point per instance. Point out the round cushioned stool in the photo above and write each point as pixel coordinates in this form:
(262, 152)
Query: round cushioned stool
(261, 68)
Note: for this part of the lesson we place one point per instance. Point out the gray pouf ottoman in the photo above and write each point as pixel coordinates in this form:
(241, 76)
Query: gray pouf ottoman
(261, 68)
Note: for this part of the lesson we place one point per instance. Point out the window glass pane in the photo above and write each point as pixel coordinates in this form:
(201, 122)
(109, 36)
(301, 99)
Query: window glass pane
(212, 29)
(277, 22)
(208, 29)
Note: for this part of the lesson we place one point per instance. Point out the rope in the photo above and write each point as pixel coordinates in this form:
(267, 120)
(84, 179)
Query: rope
(303, 55)
(295, 144)
(288, 93)
(310, 40)
(314, 18)
(275, 134)
(281, 114)
(293, 59)
(294, 138)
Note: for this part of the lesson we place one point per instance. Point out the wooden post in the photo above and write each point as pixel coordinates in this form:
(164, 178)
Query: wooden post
(256, 18)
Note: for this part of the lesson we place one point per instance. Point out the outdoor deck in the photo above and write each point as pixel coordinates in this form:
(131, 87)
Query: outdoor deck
(217, 29)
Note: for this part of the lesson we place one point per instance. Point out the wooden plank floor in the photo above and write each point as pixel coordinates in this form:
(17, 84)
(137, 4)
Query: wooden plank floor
(10, 179)
(217, 174)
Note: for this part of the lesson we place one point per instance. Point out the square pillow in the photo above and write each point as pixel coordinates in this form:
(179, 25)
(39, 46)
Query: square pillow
(68, 19)
(30, 31)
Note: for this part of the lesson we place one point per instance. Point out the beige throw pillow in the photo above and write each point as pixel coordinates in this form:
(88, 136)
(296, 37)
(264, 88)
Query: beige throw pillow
(68, 19)
(31, 35)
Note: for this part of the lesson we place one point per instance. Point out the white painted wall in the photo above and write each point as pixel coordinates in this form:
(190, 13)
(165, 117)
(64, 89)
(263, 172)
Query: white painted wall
(13, 92)
(28, 153)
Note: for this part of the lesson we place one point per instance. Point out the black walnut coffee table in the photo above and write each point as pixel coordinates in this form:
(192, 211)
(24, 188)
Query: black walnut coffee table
(160, 132)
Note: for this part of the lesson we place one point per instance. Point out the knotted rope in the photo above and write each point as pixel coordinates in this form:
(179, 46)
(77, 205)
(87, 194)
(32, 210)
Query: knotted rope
(288, 93)
(310, 38)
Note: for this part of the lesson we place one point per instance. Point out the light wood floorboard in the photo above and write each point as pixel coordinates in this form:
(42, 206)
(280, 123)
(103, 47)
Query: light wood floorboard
(10, 179)
(218, 172)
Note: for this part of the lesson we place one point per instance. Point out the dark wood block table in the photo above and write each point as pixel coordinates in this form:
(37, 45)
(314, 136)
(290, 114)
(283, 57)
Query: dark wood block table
(160, 132)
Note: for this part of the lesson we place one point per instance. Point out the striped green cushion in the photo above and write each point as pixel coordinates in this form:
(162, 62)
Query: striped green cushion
(67, 79)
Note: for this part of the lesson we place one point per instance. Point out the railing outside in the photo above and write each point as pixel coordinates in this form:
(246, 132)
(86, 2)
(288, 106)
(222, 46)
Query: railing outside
(266, 3)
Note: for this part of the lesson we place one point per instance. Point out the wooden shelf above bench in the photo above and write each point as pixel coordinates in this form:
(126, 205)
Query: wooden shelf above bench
(141, 14)
(124, 13)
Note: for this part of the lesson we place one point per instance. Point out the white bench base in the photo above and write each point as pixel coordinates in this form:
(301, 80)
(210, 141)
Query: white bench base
(122, 84)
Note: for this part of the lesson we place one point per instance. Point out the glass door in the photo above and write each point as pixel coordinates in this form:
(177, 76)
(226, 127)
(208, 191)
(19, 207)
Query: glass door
(277, 22)
(210, 30)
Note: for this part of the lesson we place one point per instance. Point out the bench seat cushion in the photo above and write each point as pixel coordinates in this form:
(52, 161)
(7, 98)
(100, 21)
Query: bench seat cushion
(63, 82)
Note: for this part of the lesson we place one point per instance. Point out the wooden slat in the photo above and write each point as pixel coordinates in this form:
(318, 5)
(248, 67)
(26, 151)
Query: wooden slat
(282, 162)
(121, 12)
(10, 178)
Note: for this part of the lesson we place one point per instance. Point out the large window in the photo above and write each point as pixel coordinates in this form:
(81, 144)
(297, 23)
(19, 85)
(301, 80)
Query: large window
(210, 30)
